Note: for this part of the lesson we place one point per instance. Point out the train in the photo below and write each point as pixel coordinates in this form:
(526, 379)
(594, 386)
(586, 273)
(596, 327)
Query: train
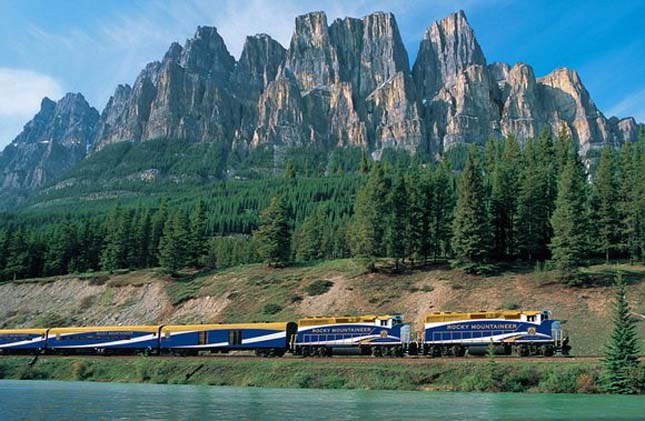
(523, 333)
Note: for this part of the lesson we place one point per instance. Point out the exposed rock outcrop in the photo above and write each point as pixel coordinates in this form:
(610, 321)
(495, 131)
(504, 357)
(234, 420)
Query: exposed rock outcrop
(56, 138)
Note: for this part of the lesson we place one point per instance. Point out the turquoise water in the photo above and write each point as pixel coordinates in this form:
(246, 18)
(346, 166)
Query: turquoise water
(77, 400)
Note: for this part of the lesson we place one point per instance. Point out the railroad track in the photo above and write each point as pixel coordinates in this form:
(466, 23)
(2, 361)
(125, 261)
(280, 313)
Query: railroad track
(421, 360)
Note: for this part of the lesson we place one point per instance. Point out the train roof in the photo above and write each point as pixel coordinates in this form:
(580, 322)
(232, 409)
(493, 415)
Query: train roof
(24, 331)
(448, 316)
(314, 321)
(216, 326)
(104, 329)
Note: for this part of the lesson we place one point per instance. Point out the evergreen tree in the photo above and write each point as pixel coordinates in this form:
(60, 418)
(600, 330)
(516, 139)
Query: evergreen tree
(143, 254)
(274, 236)
(364, 167)
(568, 244)
(174, 244)
(420, 209)
(370, 215)
(311, 236)
(443, 201)
(158, 223)
(397, 224)
(17, 264)
(621, 362)
(117, 242)
(197, 243)
(605, 191)
(504, 195)
(533, 204)
(290, 171)
(472, 233)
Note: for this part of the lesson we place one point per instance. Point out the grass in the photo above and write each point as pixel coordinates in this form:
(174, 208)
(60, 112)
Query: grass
(551, 377)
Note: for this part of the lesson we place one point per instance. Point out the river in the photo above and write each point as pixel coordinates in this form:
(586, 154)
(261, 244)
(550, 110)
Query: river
(77, 400)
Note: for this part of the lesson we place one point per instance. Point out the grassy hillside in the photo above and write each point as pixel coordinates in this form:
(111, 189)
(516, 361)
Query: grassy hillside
(258, 293)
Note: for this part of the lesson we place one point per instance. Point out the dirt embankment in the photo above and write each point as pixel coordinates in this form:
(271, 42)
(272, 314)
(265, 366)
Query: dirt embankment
(256, 293)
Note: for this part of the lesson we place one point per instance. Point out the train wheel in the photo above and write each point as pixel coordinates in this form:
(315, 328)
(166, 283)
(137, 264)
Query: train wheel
(460, 351)
(549, 351)
(524, 351)
(377, 351)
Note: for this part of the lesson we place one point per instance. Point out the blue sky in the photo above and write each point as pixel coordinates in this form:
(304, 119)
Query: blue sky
(49, 47)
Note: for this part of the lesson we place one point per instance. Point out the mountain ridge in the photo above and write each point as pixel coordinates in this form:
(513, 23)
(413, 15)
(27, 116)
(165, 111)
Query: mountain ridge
(348, 83)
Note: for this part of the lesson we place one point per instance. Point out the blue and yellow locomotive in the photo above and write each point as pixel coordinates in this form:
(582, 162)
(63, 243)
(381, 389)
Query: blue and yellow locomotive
(375, 335)
(523, 332)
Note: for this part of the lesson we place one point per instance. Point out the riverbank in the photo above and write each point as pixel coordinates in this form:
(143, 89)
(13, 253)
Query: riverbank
(499, 375)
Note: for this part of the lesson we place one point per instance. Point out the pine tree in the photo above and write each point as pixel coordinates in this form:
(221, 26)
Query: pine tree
(311, 236)
(472, 232)
(420, 208)
(621, 362)
(397, 223)
(113, 251)
(143, 254)
(290, 171)
(197, 243)
(370, 215)
(605, 191)
(173, 246)
(443, 201)
(568, 244)
(504, 192)
(533, 204)
(274, 236)
(158, 223)
(364, 167)
(17, 264)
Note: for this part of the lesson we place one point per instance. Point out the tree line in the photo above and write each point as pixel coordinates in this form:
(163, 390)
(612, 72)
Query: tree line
(535, 202)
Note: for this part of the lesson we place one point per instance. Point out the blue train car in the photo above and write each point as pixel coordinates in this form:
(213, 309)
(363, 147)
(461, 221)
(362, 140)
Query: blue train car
(525, 332)
(376, 335)
(22, 341)
(103, 339)
(266, 339)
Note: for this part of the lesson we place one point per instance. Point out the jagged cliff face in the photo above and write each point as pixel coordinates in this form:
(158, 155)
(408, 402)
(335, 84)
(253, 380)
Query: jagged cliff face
(55, 139)
(348, 83)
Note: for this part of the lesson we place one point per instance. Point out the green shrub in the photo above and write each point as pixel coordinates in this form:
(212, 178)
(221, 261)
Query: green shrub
(318, 287)
(272, 308)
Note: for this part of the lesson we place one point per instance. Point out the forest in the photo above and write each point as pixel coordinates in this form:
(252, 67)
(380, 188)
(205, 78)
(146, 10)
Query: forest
(536, 203)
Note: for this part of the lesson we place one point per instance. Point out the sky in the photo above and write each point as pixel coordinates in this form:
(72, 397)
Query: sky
(50, 47)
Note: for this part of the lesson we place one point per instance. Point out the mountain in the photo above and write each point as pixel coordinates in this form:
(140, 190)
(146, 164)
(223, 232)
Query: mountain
(344, 84)
(58, 137)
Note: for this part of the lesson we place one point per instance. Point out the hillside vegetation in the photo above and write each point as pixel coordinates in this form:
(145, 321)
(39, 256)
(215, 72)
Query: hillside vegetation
(339, 287)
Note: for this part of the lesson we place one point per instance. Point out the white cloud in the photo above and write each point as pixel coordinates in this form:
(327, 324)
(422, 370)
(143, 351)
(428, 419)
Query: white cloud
(631, 106)
(21, 92)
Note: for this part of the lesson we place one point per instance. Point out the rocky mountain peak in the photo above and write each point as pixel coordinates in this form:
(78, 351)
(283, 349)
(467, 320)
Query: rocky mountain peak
(57, 137)
(448, 47)
(311, 57)
(206, 54)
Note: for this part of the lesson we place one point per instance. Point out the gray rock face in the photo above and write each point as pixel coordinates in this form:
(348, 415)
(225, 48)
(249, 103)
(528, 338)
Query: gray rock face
(447, 49)
(56, 138)
(354, 86)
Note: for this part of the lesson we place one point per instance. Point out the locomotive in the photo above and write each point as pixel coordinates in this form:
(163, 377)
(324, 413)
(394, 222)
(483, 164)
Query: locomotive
(445, 333)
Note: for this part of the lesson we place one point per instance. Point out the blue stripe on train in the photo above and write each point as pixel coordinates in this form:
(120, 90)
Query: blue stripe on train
(219, 338)
(348, 335)
(481, 331)
(105, 339)
(22, 341)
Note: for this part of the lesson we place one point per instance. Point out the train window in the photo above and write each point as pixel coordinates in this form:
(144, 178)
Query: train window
(234, 337)
(167, 335)
(203, 338)
(531, 318)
